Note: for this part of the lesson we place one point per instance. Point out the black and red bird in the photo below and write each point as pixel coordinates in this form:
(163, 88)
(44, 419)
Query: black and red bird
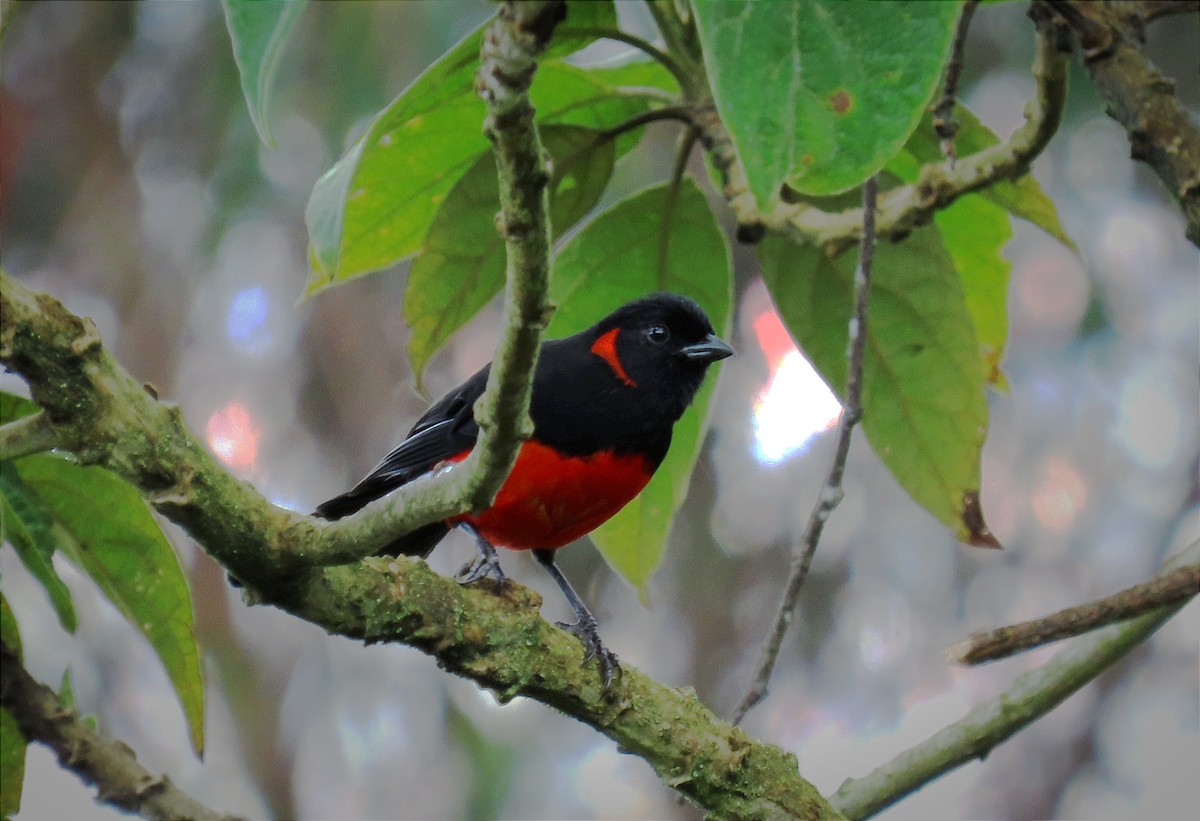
(603, 405)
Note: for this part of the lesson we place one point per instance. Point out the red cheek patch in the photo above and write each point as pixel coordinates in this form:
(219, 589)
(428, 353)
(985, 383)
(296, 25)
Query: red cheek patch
(606, 348)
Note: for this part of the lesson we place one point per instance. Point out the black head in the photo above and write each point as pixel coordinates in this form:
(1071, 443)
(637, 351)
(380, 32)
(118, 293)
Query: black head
(660, 347)
(623, 383)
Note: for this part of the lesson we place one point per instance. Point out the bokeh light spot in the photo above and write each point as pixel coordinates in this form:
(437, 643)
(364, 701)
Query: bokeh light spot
(234, 436)
(1148, 420)
(247, 319)
(794, 406)
(1061, 495)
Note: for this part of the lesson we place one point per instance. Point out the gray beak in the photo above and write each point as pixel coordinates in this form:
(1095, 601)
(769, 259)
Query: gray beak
(712, 349)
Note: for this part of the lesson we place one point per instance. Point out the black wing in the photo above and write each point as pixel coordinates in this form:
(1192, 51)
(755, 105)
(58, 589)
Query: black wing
(447, 429)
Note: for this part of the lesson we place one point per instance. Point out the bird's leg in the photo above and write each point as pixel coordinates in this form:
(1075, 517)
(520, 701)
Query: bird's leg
(585, 627)
(486, 562)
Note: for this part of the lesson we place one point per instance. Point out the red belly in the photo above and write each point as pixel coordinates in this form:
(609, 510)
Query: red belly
(551, 500)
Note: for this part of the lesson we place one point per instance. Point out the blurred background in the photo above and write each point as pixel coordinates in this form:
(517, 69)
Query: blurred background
(135, 189)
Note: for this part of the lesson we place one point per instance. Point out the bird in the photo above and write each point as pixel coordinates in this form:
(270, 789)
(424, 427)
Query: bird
(604, 403)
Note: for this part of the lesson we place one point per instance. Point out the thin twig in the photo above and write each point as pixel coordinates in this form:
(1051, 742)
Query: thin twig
(1151, 10)
(831, 493)
(29, 434)
(943, 113)
(108, 765)
(989, 724)
(668, 62)
(1173, 588)
(671, 112)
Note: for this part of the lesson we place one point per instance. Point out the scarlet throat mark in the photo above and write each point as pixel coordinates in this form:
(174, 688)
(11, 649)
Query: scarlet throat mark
(606, 348)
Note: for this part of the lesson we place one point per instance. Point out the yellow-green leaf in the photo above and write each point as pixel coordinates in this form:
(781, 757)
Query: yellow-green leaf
(924, 406)
(12, 743)
(258, 30)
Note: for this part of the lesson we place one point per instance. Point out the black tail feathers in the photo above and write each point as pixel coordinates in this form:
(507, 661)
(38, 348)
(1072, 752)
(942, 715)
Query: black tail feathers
(420, 542)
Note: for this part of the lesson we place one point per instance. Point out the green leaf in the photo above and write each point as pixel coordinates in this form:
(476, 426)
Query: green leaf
(975, 233)
(375, 206)
(821, 93)
(463, 262)
(12, 743)
(116, 541)
(258, 30)
(636, 73)
(924, 408)
(651, 241)
(13, 407)
(1023, 198)
(12, 764)
(28, 526)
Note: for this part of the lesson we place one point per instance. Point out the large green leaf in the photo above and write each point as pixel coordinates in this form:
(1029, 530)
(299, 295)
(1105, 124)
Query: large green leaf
(259, 31)
(462, 265)
(12, 743)
(652, 241)
(924, 408)
(1022, 197)
(821, 93)
(637, 73)
(374, 207)
(115, 540)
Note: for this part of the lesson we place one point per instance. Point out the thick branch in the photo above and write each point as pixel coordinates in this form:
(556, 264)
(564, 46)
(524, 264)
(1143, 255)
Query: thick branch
(498, 641)
(831, 492)
(1175, 587)
(1161, 132)
(109, 766)
(987, 725)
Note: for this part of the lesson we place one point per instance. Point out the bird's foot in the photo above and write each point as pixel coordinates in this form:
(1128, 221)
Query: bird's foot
(593, 647)
(486, 563)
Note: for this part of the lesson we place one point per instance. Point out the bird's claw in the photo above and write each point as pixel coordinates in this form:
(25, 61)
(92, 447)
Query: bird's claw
(482, 566)
(594, 648)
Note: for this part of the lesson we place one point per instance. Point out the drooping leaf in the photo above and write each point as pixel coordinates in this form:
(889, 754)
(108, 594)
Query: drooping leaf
(975, 233)
(374, 207)
(258, 30)
(12, 743)
(28, 526)
(651, 241)
(821, 93)
(462, 264)
(924, 408)
(1023, 198)
(116, 541)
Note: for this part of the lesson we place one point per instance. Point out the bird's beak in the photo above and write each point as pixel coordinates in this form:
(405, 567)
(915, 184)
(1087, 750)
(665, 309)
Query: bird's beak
(711, 349)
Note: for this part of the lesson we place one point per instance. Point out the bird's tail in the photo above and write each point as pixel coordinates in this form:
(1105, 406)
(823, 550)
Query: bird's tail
(420, 542)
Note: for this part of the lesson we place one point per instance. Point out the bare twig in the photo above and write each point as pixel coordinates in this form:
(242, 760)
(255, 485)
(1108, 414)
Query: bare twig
(669, 112)
(831, 493)
(989, 724)
(1173, 588)
(29, 434)
(943, 113)
(1161, 132)
(108, 765)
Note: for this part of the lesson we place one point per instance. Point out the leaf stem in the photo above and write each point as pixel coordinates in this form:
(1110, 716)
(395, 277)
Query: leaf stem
(29, 434)
(831, 493)
(943, 112)
(668, 61)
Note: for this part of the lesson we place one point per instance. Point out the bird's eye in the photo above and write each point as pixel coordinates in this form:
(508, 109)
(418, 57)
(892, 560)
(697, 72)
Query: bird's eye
(658, 334)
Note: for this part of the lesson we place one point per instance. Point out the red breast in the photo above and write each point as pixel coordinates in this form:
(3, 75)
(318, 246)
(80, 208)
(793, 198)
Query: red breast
(550, 500)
